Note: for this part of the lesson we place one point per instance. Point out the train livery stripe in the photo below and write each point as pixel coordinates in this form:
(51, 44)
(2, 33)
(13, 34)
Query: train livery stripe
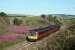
(43, 34)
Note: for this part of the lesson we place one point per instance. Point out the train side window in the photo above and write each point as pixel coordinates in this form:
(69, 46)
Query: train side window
(44, 30)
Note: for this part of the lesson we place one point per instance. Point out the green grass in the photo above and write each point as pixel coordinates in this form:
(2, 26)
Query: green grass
(58, 40)
(2, 29)
(6, 44)
(2, 32)
(35, 21)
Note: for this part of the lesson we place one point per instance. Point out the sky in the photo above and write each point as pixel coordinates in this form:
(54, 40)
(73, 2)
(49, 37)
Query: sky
(37, 7)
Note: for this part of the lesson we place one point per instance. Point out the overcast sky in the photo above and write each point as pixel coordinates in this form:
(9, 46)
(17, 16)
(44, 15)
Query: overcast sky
(37, 7)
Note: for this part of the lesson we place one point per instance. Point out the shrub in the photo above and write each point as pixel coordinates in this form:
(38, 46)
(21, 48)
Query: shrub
(17, 21)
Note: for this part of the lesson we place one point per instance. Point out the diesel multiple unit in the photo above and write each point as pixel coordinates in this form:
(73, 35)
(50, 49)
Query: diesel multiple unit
(39, 33)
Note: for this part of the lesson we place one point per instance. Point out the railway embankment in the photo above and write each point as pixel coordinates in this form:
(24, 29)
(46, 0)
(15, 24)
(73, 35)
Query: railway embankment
(33, 45)
(59, 40)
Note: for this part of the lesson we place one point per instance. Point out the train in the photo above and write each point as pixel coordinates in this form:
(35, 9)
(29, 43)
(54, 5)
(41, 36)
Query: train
(37, 34)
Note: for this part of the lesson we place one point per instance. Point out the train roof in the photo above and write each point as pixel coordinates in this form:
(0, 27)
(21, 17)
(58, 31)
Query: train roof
(40, 29)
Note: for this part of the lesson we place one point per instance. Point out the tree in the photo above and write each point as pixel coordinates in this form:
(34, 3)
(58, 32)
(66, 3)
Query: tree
(50, 18)
(56, 21)
(43, 16)
(17, 21)
(3, 14)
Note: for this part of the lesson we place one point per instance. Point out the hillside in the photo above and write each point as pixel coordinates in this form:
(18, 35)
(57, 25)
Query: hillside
(57, 41)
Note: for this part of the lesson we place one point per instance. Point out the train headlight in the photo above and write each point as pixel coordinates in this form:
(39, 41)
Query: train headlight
(32, 37)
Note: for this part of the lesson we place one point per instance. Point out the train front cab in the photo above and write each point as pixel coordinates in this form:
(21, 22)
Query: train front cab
(32, 37)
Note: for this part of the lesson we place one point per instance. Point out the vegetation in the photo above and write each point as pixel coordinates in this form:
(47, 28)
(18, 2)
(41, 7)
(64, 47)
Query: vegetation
(17, 21)
(57, 22)
(35, 22)
(59, 41)
(64, 40)
(3, 14)
(50, 18)
(43, 16)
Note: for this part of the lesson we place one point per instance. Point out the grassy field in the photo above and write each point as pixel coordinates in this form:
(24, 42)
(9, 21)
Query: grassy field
(37, 22)
(28, 21)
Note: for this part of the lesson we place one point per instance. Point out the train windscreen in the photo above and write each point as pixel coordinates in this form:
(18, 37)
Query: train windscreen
(32, 33)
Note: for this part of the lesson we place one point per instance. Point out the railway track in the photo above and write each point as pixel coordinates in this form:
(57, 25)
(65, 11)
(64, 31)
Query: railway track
(27, 44)
(18, 46)
(24, 45)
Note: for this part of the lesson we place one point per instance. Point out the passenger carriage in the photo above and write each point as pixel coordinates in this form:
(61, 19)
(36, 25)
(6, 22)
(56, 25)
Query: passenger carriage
(37, 34)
